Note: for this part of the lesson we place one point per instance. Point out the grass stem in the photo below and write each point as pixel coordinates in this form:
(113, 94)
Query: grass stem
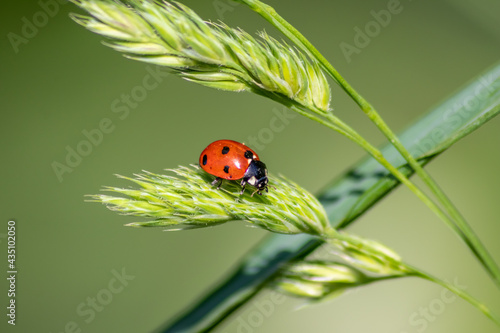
(457, 222)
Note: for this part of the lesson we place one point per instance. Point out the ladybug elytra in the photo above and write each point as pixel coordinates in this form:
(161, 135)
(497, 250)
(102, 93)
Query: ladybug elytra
(227, 159)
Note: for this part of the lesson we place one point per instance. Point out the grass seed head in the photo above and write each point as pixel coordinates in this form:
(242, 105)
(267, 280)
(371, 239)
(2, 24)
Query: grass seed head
(187, 200)
(215, 55)
(318, 280)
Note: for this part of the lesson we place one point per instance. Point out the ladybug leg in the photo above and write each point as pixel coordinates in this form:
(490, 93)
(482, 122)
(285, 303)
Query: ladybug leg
(243, 183)
(218, 179)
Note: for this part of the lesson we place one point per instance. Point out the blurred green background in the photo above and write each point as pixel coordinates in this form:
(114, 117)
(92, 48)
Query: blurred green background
(58, 83)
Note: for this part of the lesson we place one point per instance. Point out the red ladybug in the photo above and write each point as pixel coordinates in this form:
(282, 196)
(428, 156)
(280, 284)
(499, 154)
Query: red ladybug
(227, 159)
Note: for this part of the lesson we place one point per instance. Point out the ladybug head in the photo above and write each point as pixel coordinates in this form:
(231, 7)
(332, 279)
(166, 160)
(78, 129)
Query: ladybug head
(256, 175)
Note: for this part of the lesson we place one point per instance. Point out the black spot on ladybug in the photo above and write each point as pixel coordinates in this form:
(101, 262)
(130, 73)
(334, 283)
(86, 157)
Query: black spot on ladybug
(225, 150)
(226, 169)
(205, 159)
(248, 154)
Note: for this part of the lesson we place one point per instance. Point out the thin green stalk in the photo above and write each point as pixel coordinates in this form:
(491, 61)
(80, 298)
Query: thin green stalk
(475, 244)
(344, 129)
(483, 308)
(379, 157)
(466, 232)
(339, 126)
(384, 258)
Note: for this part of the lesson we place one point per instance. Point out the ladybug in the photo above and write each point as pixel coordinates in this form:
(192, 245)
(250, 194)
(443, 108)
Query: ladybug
(227, 159)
